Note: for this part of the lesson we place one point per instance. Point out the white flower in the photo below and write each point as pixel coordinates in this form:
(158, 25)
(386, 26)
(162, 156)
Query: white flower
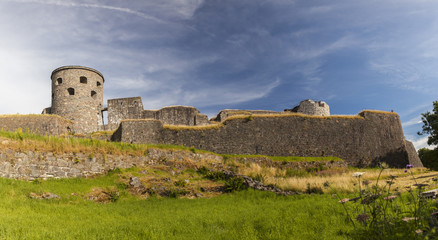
(358, 174)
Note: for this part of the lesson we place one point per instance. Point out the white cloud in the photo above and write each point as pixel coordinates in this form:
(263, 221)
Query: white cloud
(421, 143)
(413, 121)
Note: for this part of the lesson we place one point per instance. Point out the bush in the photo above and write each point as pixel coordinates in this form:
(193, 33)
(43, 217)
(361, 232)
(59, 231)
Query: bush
(429, 158)
(203, 170)
(314, 189)
(180, 183)
(235, 184)
(175, 193)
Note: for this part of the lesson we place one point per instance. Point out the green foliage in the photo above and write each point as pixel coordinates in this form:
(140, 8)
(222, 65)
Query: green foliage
(430, 124)
(313, 189)
(203, 170)
(176, 192)
(216, 175)
(429, 158)
(235, 184)
(385, 213)
(180, 183)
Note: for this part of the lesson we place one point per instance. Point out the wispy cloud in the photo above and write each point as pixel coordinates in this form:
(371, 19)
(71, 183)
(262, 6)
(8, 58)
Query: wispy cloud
(421, 143)
(86, 5)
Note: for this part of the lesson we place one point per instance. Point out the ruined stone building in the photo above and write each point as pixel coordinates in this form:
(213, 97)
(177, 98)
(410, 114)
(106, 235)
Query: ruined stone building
(307, 130)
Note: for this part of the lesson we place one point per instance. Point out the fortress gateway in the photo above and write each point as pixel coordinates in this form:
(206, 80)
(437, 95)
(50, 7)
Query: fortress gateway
(305, 130)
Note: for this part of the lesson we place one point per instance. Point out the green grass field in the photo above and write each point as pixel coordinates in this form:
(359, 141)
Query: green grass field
(242, 215)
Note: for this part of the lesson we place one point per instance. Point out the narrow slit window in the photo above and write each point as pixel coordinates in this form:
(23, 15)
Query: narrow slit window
(59, 81)
(71, 91)
(93, 94)
(98, 84)
(83, 80)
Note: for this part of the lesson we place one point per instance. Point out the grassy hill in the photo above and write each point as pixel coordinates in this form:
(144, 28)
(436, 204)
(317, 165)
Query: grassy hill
(195, 200)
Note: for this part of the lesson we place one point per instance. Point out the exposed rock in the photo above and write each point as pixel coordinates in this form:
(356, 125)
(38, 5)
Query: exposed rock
(136, 185)
(258, 185)
(102, 196)
(46, 195)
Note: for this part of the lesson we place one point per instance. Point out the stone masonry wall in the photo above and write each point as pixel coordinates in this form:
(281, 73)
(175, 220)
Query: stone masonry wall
(224, 114)
(41, 124)
(123, 108)
(132, 108)
(311, 107)
(362, 140)
(31, 165)
(77, 95)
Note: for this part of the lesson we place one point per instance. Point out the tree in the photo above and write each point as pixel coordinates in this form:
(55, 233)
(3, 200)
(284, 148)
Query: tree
(430, 125)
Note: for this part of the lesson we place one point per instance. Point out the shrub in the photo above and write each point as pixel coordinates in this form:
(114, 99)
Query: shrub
(313, 189)
(203, 170)
(235, 184)
(175, 193)
(180, 183)
(429, 158)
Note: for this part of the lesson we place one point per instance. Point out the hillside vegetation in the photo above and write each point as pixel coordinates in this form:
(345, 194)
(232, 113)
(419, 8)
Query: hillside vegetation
(182, 199)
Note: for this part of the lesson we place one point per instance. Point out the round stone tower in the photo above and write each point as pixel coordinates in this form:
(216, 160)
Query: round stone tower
(77, 95)
(310, 107)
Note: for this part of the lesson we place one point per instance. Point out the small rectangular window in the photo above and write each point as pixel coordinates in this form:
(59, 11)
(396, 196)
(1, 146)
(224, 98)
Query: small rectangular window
(83, 79)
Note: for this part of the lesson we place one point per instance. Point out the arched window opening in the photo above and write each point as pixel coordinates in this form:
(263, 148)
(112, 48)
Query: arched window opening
(98, 83)
(58, 81)
(53, 95)
(71, 91)
(93, 94)
(83, 79)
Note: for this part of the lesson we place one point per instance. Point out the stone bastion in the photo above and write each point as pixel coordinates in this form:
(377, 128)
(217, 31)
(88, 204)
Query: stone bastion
(305, 130)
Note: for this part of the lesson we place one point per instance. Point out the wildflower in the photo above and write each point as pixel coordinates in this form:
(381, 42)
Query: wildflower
(344, 200)
(409, 166)
(362, 217)
(390, 197)
(358, 174)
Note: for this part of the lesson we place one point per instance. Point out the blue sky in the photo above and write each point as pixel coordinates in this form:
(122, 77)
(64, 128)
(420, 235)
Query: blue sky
(218, 54)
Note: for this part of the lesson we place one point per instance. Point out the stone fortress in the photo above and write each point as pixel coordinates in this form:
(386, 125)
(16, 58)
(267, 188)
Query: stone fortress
(305, 130)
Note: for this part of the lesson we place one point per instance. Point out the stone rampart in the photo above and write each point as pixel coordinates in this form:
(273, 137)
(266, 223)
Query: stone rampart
(32, 165)
(362, 140)
(41, 124)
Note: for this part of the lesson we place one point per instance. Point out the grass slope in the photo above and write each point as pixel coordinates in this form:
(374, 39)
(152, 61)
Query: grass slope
(243, 215)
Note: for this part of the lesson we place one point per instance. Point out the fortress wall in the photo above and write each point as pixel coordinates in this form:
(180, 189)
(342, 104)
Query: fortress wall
(31, 165)
(224, 114)
(41, 124)
(123, 108)
(177, 115)
(362, 140)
